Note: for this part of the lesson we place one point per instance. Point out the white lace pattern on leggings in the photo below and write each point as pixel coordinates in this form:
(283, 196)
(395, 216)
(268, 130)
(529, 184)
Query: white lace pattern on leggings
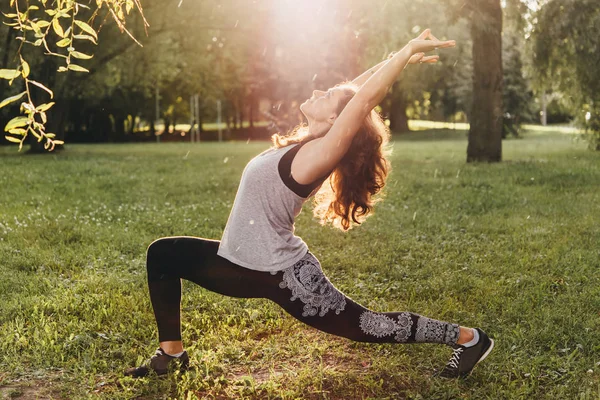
(433, 331)
(380, 325)
(308, 283)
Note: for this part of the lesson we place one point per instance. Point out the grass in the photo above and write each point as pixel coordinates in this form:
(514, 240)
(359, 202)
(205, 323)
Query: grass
(509, 247)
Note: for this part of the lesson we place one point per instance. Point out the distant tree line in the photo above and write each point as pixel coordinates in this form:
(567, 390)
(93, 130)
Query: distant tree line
(245, 54)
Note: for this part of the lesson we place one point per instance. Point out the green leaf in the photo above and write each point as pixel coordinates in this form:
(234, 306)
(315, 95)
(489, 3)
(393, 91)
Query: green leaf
(26, 69)
(50, 135)
(43, 24)
(9, 73)
(51, 12)
(64, 42)
(36, 28)
(12, 99)
(12, 139)
(74, 67)
(86, 28)
(57, 28)
(38, 42)
(18, 131)
(43, 87)
(81, 56)
(85, 37)
(37, 135)
(62, 69)
(44, 107)
(16, 122)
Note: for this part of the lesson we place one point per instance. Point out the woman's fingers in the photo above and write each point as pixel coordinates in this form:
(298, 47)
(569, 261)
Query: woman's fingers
(415, 58)
(431, 36)
(425, 33)
(429, 59)
(445, 43)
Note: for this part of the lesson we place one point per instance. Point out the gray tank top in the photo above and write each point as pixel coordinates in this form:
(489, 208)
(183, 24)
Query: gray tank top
(259, 234)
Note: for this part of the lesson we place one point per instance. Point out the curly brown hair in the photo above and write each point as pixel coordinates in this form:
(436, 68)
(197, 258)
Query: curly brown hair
(360, 175)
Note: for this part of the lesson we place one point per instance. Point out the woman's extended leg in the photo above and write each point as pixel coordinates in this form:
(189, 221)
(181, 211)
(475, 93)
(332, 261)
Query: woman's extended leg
(322, 306)
(310, 297)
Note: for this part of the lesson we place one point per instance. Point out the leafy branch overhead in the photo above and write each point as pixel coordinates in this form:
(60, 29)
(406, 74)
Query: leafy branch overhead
(56, 28)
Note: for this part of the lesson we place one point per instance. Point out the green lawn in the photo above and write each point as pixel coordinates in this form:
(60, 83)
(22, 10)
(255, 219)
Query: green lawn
(511, 247)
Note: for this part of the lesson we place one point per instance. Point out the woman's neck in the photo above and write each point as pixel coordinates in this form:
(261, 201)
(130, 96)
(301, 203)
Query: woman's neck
(317, 129)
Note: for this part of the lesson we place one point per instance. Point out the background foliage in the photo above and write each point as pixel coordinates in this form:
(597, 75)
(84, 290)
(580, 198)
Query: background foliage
(213, 49)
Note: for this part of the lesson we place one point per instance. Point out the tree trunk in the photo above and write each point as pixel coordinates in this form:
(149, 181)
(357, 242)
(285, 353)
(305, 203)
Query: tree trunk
(238, 113)
(544, 117)
(397, 112)
(241, 112)
(152, 129)
(485, 134)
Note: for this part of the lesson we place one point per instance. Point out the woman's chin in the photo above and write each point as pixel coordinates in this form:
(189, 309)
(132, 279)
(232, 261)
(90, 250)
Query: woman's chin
(303, 108)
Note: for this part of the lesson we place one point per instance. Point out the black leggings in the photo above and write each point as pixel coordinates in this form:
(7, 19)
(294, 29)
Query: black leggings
(302, 290)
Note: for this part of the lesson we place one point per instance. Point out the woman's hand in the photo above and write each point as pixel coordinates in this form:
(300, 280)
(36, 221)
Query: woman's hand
(427, 42)
(421, 58)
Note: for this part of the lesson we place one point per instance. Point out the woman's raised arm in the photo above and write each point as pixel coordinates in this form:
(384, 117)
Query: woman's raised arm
(334, 145)
(416, 58)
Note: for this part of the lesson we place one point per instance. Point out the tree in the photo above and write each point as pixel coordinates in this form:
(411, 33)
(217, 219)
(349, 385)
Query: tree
(41, 25)
(517, 95)
(566, 39)
(485, 133)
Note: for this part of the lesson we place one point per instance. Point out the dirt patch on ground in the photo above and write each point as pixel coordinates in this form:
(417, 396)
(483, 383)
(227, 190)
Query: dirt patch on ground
(30, 388)
(25, 392)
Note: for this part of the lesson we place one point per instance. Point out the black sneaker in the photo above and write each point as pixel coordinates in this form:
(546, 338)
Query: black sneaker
(160, 363)
(464, 359)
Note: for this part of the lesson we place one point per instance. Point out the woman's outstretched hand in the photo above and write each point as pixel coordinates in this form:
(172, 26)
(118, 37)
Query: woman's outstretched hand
(422, 58)
(426, 42)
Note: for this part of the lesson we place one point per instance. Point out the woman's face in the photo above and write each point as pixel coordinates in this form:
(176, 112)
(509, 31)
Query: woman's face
(322, 106)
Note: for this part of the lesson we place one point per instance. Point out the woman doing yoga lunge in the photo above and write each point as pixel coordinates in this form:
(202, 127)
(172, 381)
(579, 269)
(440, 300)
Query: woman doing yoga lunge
(260, 257)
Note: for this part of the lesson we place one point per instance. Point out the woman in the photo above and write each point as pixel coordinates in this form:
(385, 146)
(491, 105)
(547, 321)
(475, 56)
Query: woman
(259, 255)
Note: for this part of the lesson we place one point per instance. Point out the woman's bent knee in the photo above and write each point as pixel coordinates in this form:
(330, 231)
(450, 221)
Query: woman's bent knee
(156, 254)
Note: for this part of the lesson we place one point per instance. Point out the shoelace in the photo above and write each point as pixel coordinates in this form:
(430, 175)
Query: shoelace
(158, 353)
(455, 359)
